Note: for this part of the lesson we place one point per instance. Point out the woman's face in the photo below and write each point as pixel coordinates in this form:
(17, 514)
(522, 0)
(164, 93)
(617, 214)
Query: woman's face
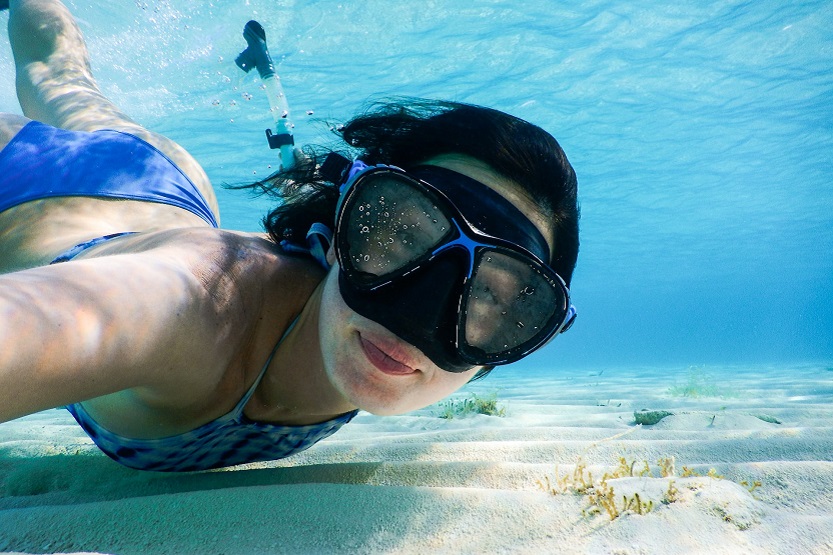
(371, 367)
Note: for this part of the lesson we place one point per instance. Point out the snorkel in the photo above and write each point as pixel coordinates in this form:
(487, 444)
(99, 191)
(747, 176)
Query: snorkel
(257, 55)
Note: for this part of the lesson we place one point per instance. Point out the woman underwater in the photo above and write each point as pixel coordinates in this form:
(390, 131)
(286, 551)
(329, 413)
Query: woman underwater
(180, 346)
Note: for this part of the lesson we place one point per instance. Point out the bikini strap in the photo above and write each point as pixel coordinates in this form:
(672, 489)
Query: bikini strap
(81, 247)
(238, 409)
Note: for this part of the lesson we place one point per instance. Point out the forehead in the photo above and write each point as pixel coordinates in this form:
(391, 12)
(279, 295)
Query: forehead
(508, 189)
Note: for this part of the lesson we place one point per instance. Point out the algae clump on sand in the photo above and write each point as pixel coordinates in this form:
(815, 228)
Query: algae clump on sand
(473, 404)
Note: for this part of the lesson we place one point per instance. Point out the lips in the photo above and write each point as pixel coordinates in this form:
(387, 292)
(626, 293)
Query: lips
(383, 361)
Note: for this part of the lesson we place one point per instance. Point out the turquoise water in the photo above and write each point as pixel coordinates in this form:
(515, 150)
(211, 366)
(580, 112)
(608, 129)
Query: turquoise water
(701, 135)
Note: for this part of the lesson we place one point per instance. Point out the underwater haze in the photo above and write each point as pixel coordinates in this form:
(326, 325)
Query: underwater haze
(701, 133)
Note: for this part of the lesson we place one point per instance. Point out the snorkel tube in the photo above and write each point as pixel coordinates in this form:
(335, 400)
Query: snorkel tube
(257, 56)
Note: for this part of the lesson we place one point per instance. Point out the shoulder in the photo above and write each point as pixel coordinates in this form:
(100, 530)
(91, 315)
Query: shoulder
(254, 267)
(219, 249)
(230, 272)
(243, 257)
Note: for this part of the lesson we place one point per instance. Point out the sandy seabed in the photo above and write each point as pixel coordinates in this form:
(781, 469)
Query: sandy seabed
(419, 483)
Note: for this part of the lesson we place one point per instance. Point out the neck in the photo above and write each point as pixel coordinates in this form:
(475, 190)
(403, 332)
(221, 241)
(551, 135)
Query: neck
(296, 389)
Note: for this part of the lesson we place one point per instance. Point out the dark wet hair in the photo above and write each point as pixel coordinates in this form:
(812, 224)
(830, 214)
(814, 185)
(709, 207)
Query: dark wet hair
(407, 132)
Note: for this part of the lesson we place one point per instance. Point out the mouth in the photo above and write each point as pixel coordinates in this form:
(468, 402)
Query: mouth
(382, 360)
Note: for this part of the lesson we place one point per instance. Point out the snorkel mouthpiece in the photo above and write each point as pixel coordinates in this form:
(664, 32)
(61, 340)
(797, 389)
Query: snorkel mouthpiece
(257, 56)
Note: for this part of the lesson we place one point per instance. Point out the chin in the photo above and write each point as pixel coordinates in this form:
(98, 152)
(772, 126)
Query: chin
(384, 395)
(381, 399)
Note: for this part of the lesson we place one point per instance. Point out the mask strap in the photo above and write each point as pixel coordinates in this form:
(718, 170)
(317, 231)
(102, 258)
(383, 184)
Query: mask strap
(569, 319)
(358, 166)
(339, 170)
(319, 238)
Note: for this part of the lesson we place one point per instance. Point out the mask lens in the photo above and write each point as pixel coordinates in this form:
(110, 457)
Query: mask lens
(511, 302)
(387, 226)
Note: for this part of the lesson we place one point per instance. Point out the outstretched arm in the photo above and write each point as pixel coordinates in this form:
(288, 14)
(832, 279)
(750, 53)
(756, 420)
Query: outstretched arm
(83, 329)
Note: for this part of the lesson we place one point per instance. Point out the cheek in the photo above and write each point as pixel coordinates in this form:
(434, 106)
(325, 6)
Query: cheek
(333, 321)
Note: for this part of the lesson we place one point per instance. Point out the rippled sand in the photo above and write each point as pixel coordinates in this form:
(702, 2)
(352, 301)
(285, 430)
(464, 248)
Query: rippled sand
(419, 483)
